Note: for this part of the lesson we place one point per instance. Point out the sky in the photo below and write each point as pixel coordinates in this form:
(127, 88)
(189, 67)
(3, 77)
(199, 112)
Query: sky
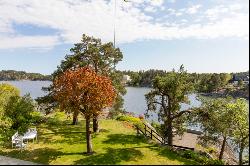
(203, 35)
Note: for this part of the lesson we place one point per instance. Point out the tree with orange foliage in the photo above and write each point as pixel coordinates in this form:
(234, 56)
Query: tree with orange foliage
(86, 91)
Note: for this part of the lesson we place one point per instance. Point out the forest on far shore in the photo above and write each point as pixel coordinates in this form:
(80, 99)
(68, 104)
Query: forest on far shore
(12, 75)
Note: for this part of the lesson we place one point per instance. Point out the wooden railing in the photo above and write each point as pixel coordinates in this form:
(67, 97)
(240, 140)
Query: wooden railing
(148, 132)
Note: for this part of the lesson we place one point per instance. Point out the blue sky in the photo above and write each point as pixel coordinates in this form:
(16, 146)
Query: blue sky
(204, 35)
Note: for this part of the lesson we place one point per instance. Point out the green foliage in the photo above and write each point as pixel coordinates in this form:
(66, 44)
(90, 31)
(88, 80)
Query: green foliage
(224, 118)
(6, 93)
(240, 128)
(211, 150)
(158, 127)
(6, 75)
(134, 120)
(143, 78)
(168, 92)
(189, 154)
(37, 117)
(203, 160)
(240, 83)
(101, 57)
(56, 118)
(19, 112)
(215, 117)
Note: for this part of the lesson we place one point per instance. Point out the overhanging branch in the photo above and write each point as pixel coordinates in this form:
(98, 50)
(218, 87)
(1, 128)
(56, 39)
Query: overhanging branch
(181, 113)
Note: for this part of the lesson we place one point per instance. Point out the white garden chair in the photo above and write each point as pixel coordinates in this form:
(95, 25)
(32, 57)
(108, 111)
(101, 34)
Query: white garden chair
(13, 138)
(19, 143)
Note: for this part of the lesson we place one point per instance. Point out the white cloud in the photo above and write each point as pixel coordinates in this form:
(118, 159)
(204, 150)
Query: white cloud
(150, 9)
(28, 41)
(156, 2)
(193, 9)
(72, 18)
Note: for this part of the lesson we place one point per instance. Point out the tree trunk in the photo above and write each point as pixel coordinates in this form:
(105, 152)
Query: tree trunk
(88, 136)
(75, 118)
(169, 133)
(95, 124)
(241, 156)
(222, 148)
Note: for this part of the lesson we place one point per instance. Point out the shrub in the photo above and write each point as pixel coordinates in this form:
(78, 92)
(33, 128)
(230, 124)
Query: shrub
(189, 154)
(211, 150)
(135, 121)
(56, 118)
(36, 117)
(158, 127)
(215, 162)
(203, 160)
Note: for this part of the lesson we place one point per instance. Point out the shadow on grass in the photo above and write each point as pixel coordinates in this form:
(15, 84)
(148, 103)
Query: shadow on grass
(124, 139)
(40, 156)
(112, 156)
(70, 134)
(168, 153)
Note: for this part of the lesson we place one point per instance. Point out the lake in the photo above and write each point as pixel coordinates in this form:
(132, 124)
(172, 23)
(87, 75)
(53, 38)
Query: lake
(134, 100)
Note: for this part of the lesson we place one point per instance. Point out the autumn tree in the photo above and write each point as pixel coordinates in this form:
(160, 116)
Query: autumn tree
(165, 98)
(84, 90)
(102, 58)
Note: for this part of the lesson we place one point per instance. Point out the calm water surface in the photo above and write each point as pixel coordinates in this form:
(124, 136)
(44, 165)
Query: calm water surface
(134, 100)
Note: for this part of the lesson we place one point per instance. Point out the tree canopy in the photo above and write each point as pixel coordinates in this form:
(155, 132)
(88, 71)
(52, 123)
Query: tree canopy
(84, 90)
(168, 92)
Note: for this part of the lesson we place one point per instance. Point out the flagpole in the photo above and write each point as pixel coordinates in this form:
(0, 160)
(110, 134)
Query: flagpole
(114, 23)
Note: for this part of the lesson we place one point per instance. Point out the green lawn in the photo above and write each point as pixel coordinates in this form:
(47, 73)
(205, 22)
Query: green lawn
(117, 143)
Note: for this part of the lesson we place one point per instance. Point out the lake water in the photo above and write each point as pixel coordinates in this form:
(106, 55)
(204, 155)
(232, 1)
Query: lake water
(134, 100)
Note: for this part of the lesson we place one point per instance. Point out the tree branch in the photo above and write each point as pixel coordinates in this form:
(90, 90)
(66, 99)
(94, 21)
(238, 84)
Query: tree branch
(180, 113)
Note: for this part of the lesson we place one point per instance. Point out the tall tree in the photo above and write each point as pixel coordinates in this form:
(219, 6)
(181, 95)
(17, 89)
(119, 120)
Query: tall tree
(168, 92)
(6, 92)
(19, 112)
(240, 130)
(86, 91)
(102, 58)
(215, 117)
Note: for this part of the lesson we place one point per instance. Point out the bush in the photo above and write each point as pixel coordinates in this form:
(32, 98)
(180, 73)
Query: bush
(189, 154)
(199, 158)
(215, 162)
(158, 127)
(135, 121)
(56, 118)
(211, 150)
(36, 117)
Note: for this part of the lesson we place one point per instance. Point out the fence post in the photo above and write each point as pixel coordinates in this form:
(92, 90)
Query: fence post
(145, 129)
(151, 134)
(137, 129)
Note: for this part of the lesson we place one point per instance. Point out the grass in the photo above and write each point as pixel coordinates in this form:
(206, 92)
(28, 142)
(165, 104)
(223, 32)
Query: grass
(117, 143)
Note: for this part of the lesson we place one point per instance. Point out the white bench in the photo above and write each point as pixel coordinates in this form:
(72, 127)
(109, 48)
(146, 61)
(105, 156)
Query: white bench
(30, 134)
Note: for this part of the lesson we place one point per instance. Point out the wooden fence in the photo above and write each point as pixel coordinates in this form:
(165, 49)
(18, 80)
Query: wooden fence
(152, 134)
